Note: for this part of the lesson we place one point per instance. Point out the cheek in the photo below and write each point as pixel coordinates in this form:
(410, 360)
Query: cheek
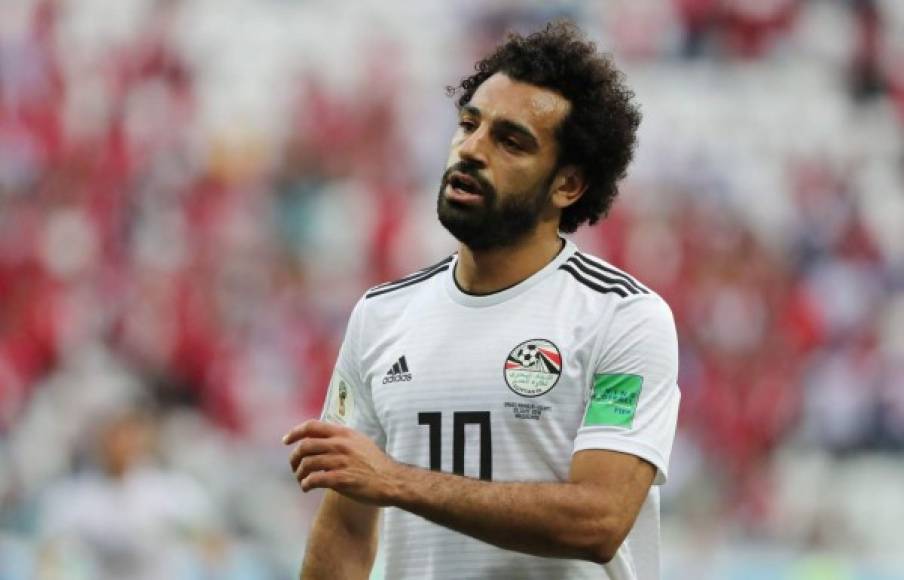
(452, 159)
(453, 156)
(525, 176)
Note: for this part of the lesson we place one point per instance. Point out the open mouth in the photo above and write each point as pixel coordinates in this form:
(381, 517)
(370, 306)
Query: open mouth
(463, 189)
(465, 183)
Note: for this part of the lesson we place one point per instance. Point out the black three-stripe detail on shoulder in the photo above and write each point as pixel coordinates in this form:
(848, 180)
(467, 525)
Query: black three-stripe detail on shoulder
(418, 276)
(615, 283)
(567, 266)
(411, 282)
(601, 278)
(445, 260)
(620, 277)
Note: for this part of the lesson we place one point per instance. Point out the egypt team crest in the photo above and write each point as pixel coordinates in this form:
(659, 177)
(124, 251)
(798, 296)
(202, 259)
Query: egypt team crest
(533, 367)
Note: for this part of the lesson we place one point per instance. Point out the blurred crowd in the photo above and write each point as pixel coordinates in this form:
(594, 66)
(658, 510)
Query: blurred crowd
(194, 193)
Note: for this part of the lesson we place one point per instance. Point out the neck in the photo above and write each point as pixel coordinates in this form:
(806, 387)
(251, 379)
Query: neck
(487, 271)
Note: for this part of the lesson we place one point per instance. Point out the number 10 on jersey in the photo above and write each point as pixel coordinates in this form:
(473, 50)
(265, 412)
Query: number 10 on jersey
(434, 421)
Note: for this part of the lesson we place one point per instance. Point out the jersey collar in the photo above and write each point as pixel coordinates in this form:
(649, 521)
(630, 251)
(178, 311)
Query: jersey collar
(481, 300)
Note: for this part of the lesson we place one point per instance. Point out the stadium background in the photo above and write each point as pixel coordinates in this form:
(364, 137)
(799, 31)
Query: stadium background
(193, 193)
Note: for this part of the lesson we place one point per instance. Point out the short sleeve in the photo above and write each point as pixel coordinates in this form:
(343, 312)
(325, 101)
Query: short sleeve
(348, 399)
(633, 398)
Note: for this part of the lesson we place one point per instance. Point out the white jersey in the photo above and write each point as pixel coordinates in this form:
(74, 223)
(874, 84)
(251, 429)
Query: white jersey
(506, 387)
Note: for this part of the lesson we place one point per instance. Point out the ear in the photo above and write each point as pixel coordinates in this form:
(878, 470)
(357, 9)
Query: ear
(568, 186)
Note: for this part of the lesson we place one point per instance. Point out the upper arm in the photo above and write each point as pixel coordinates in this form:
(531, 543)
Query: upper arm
(632, 401)
(620, 483)
(625, 437)
(349, 400)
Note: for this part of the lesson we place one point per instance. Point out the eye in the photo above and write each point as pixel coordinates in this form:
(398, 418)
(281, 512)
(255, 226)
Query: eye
(511, 143)
(467, 125)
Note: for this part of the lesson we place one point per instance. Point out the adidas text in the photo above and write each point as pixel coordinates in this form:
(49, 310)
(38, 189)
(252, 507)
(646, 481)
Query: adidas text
(398, 372)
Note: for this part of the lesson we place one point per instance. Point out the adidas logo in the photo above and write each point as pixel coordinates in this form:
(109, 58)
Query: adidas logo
(398, 373)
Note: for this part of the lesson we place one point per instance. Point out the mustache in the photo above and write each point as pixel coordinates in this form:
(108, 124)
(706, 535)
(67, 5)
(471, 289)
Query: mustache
(472, 171)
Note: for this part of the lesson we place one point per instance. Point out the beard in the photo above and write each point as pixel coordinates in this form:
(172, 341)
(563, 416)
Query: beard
(495, 223)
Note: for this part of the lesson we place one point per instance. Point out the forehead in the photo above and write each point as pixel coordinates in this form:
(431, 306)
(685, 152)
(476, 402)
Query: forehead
(538, 108)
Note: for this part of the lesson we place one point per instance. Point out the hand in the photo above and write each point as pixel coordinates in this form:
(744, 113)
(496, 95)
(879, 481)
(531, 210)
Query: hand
(342, 459)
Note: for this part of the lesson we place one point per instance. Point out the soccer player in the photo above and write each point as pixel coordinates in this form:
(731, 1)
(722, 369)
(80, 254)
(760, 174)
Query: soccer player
(514, 405)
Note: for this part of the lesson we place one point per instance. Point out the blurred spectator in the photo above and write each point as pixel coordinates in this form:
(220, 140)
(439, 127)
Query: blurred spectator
(122, 517)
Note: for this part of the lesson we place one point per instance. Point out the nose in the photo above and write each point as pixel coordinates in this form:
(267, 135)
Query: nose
(473, 148)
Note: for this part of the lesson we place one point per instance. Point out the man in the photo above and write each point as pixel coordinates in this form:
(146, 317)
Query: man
(124, 516)
(514, 404)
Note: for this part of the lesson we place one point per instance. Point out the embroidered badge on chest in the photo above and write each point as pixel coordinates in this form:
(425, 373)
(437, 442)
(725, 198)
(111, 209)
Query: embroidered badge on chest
(533, 367)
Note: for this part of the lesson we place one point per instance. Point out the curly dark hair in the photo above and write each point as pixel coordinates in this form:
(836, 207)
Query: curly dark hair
(599, 133)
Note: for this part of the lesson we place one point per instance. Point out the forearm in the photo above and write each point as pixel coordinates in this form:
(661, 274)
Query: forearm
(338, 550)
(562, 520)
(587, 517)
(332, 557)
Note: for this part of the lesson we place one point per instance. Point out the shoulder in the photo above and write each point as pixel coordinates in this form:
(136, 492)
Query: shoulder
(598, 275)
(637, 328)
(619, 294)
(411, 282)
(383, 305)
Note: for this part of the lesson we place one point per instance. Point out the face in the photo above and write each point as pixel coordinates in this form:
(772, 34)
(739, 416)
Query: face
(502, 163)
(125, 442)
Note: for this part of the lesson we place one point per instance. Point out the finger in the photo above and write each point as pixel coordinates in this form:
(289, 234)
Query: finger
(296, 433)
(315, 463)
(310, 447)
(312, 428)
(320, 479)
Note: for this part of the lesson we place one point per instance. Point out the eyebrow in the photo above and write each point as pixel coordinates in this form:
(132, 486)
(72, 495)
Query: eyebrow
(506, 125)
